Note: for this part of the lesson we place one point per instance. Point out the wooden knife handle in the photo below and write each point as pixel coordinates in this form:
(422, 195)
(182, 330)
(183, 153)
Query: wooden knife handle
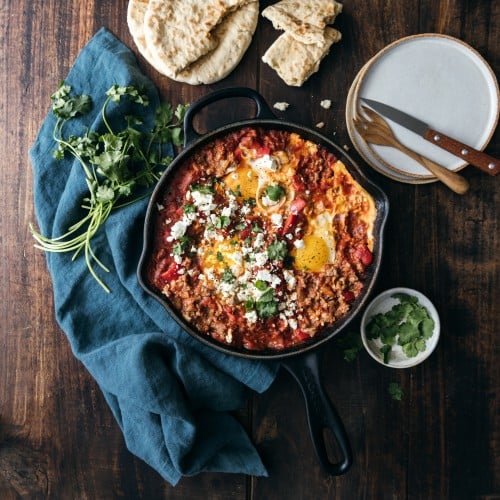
(470, 155)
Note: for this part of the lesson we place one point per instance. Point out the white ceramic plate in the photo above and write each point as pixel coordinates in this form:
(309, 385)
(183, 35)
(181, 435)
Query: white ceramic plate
(384, 303)
(440, 80)
(366, 151)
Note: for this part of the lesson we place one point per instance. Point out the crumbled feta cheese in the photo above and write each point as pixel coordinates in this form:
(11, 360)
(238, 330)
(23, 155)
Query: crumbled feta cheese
(320, 124)
(299, 244)
(177, 259)
(325, 103)
(289, 279)
(245, 210)
(277, 220)
(259, 240)
(261, 258)
(267, 202)
(292, 323)
(264, 275)
(265, 162)
(160, 207)
(226, 212)
(178, 229)
(281, 106)
(251, 316)
(229, 337)
(203, 201)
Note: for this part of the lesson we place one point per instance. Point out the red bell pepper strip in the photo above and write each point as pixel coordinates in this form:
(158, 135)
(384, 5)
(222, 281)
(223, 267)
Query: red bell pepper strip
(297, 206)
(171, 273)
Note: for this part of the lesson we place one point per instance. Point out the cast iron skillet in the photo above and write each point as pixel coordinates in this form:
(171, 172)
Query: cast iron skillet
(301, 361)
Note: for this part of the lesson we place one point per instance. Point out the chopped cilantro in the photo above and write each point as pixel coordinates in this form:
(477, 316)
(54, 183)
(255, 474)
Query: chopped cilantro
(407, 324)
(256, 228)
(395, 391)
(181, 245)
(220, 257)
(277, 250)
(188, 208)
(202, 188)
(351, 344)
(222, 222)
(275, 193)
(116, 162)
(228, 276)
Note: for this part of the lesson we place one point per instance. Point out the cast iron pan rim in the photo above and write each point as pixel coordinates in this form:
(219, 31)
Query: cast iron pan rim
(382, 210)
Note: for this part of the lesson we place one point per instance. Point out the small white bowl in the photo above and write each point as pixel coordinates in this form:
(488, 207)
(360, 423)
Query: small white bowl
(383, 303)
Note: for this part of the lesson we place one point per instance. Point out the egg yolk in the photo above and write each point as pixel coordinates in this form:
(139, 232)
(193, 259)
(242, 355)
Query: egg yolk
(221, 255)
(243, 180)
(313, 255)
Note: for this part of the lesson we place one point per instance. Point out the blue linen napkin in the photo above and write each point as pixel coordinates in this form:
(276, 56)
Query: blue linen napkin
(169, 393)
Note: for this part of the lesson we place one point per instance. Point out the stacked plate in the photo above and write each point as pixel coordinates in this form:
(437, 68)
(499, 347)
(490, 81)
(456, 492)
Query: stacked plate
(439, 80)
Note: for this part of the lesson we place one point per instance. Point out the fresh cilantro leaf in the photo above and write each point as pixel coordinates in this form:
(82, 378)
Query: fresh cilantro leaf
(351, 344)
(222, 222)
(181, 245)
(228, 276)
(385, 350)
(277, 250)
(116, 163)
(188, 208)
(395, 391)
(275, 193)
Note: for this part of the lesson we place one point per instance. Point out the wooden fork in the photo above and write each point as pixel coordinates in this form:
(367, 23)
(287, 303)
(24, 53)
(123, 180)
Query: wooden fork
(376, 130)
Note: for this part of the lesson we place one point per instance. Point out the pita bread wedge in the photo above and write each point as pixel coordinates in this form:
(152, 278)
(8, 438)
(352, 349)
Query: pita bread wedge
(304, 20)
(178, 32)
(136, 12)
(234, 35)
(295, 61)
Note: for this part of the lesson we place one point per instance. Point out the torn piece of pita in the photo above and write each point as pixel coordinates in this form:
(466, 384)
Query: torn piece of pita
(295, 61)
(136, 11)
(234, 35)
(304, 20)
(179, 32)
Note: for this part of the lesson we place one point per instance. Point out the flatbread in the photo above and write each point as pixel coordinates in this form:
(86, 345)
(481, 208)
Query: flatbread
(178, 32)
(295, 61)
(136, 11)
(304, 20)
(233, 36)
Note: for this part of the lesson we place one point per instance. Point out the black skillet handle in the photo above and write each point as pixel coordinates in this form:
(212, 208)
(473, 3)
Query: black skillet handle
(321, 413)
(263, 110)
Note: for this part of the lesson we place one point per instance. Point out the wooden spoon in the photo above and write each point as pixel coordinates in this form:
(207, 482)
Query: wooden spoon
(377, 131)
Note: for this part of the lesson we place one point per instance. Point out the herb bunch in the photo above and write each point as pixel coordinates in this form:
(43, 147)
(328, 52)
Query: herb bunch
(119, 165)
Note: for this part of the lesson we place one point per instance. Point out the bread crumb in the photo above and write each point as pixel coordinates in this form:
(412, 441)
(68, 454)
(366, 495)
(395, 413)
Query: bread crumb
(325, 103)
(320, 125)
(282, 106)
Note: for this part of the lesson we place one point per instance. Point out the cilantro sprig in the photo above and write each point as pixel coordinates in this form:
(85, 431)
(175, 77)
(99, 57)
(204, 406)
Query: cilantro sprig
(408, 324)
(117, 164)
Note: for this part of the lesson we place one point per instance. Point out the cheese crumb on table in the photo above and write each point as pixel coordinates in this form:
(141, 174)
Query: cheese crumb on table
(282, 106)
(320, 125)
(325, 103)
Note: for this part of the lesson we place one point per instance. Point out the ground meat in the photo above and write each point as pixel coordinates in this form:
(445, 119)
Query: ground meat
(229, 263)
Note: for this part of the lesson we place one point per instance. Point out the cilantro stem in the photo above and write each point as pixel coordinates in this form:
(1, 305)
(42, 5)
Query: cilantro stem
(115, 165)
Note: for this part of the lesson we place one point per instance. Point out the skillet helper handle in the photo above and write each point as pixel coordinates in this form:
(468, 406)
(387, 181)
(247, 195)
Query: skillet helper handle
(470, 155)
(263, 110)
(321, 413)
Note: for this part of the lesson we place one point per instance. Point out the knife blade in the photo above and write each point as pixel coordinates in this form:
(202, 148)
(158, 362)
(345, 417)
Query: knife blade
(473, 156)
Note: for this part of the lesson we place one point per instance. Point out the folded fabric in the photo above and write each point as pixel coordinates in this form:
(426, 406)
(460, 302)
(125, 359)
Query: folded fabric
(170, 394)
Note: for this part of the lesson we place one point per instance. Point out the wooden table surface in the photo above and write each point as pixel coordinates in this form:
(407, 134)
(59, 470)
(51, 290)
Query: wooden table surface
(58, 438)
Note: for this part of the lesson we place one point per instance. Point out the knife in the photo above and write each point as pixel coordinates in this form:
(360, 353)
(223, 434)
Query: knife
(473, 156)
